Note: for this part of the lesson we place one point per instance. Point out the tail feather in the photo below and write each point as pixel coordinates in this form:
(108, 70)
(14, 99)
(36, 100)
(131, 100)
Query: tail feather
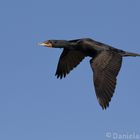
(130, 54)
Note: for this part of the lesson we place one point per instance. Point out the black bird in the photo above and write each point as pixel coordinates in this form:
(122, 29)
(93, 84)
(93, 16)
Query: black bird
(105, 62)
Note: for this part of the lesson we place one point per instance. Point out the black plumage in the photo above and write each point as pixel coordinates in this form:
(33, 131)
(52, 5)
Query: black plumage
(106, 63)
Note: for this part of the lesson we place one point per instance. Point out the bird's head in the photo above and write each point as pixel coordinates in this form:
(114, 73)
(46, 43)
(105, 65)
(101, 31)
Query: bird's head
(55, 43)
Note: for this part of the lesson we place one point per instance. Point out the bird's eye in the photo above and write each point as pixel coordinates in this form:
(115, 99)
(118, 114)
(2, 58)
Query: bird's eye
(50, 41)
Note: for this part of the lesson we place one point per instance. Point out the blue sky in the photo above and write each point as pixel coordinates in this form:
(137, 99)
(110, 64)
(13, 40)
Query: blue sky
(34, 105)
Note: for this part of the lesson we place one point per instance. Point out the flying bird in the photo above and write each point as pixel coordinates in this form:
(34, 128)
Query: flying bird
(105, 63)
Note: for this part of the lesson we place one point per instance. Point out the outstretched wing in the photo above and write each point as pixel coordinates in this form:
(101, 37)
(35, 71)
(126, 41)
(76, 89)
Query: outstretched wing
(106, 67)
(68, 60)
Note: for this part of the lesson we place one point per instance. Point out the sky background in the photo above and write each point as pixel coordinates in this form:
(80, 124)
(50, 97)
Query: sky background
(34, 105)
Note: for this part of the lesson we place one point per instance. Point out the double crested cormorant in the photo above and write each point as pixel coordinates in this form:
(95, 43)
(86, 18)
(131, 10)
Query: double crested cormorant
(105, 62)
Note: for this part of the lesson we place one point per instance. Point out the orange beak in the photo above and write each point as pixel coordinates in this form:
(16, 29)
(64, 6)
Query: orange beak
(47, 44)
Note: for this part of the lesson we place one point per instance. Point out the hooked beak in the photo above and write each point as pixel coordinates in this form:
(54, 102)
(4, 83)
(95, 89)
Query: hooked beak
(47, 44)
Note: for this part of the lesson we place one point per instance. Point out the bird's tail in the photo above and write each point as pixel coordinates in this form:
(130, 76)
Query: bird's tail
(130, 54)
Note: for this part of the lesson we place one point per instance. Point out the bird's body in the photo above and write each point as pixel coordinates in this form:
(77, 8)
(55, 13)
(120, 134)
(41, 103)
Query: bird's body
(106, 62)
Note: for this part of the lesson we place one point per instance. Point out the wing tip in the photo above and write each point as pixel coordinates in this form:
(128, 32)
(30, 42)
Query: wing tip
(104, 103)
(60, 76)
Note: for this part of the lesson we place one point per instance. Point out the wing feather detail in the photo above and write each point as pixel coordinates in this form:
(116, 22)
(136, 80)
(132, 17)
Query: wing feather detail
(69, 59)
(106, 67)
